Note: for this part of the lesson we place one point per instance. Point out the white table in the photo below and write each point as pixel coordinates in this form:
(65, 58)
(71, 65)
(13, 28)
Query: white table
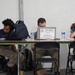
(32, 41)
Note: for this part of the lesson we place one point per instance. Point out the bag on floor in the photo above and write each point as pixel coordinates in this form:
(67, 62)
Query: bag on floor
(28, 61)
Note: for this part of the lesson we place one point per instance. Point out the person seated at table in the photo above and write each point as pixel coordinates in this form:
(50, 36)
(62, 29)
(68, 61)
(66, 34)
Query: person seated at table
(72, 34)
(9, 51)
(39, 53)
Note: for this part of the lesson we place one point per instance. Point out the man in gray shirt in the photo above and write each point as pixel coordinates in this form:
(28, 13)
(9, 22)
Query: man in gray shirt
(39, 53)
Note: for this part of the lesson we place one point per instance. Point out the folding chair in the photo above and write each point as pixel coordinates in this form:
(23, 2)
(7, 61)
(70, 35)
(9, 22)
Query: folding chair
(46, 46)
(70, 59)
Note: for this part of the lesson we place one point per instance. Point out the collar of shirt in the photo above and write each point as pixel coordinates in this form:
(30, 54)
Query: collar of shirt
(3, 34)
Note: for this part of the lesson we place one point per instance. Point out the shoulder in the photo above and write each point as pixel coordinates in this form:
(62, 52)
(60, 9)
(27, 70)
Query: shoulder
(35, 35)
(1, 29)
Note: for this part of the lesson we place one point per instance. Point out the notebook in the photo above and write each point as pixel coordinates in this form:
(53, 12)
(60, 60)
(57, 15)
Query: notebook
(46, 32)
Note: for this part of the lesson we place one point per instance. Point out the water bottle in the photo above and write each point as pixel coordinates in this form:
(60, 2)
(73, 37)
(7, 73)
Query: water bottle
(63, 35)
(32, 35)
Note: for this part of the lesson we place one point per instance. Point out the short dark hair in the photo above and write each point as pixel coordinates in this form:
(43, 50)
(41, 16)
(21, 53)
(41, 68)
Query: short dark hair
(8, 22)
(73, 25)
(41, 20)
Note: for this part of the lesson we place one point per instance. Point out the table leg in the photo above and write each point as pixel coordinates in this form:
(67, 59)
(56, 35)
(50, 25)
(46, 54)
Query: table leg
(18, 60)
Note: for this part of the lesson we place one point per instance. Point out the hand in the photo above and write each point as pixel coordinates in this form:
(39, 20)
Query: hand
(14, 48)
(32, 46)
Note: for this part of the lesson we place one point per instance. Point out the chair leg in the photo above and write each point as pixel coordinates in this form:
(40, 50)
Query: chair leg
(67, 67)
(51, 68)
(54, 69)
(57, 69)
(35, 71)
(71, 67)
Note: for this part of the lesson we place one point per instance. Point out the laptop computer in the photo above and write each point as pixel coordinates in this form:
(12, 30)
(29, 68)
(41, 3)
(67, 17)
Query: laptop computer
(46, 32)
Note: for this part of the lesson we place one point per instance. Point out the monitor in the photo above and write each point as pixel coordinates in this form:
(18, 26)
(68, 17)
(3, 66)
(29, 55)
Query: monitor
(46, 32)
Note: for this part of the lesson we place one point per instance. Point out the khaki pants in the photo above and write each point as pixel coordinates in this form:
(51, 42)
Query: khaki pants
(53, 53)
(12, 56)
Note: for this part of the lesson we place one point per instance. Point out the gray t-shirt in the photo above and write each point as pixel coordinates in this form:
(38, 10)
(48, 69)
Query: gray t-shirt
(35, 35)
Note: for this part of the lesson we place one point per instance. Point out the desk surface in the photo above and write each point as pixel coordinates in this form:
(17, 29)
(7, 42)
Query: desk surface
(34, 41)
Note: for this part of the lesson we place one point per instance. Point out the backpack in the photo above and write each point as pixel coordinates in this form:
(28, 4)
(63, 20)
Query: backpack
(19, 32)
(28, 61)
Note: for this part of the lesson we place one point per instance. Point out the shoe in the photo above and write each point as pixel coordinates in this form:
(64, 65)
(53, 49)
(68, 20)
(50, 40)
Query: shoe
(9, 71)
(41, 72)
(12, 71)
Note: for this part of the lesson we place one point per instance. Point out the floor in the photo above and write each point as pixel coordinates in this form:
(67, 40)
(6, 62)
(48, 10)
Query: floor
(62, 72)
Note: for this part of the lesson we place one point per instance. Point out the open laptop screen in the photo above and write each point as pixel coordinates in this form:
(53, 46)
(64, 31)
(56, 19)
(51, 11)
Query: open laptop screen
(46, 32)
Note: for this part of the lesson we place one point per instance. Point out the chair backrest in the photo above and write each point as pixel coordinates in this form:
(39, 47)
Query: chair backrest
(47, 45)
(72, 45)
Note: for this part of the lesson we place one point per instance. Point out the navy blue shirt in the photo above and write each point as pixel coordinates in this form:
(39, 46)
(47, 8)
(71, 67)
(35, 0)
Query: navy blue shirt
(3, 34)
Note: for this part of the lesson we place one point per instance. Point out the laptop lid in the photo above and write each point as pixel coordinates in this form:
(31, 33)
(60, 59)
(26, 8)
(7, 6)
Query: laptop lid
(46, 32)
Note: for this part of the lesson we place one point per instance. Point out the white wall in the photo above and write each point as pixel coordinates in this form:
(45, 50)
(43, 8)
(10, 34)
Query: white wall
(8, 9)
(58, 13)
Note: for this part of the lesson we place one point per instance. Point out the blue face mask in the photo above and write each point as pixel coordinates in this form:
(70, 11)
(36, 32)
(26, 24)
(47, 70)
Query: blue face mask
(72, 30)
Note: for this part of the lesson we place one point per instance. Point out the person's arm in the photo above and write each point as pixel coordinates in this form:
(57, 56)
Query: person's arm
(72, 35)
(14, 48)
(32, 46)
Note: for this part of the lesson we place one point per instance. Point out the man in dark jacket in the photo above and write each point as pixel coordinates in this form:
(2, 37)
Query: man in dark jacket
(9, 51)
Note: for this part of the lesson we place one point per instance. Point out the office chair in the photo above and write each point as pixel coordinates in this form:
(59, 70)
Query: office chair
(70, 59)
(46, 46)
